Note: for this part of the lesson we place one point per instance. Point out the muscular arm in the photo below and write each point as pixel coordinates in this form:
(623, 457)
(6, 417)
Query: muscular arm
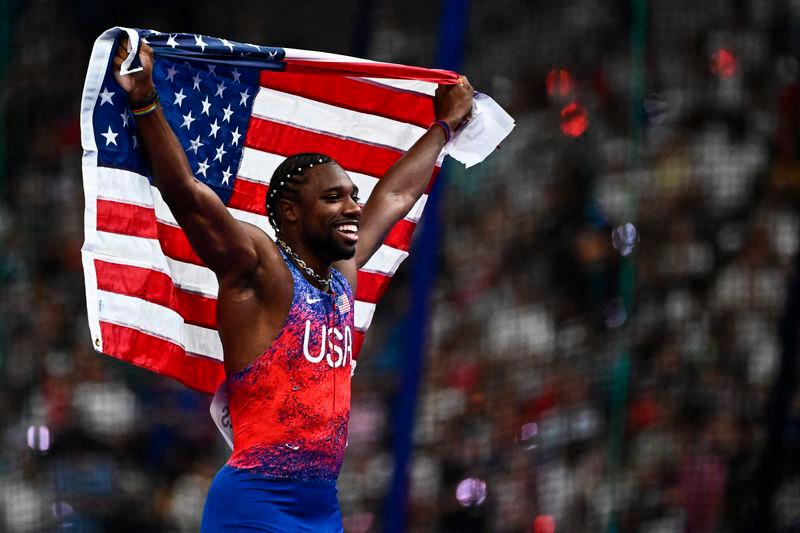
(403, 184)
(219, 240)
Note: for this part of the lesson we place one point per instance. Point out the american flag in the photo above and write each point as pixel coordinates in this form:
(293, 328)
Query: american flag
(343, 304)
(238, 110)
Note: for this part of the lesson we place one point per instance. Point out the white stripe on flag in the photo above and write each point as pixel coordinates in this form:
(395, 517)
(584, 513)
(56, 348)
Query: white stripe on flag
(385, 260)
(132, 188)
(259, 166)
(416, 86)
(163, 212)
(363, 315)
(416, 211)
(318, 116)
(297, 53)
(124, 186)
(255, 219)
(159, 321)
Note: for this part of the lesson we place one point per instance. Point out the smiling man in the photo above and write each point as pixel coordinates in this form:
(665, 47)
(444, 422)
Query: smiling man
(285, 307)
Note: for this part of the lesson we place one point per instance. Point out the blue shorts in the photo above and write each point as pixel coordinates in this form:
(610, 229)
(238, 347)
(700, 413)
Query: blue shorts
(243, 501)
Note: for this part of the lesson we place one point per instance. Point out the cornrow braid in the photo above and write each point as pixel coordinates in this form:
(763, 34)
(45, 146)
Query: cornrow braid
(287, 179)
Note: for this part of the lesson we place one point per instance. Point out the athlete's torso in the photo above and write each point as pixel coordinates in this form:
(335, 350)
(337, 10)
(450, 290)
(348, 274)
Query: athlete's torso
(290, 406)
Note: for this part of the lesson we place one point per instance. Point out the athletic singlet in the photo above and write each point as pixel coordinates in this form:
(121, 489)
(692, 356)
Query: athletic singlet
(290, 407)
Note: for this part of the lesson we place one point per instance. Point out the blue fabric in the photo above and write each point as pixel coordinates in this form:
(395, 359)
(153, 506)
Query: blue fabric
(243, 501)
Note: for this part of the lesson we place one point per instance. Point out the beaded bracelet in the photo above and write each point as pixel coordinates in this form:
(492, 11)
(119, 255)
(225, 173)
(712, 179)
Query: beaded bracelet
(146, 106)
(442, 124)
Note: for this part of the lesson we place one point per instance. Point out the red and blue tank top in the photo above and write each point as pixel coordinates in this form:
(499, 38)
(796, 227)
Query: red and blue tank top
(290, 406)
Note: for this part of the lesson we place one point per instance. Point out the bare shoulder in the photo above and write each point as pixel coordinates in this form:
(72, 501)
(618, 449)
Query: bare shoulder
(271, 271)
(270, 258)
(263, 242)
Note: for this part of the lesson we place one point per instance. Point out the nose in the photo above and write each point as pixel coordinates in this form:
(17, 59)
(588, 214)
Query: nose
(352, 208)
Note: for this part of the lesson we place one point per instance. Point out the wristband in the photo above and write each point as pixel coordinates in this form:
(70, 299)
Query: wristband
(442, 124)
(146, 106)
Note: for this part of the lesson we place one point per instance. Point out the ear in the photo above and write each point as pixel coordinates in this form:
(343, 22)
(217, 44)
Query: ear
(289, 211)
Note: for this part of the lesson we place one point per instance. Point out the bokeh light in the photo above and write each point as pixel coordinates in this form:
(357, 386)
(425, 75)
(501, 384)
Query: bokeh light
(529, 431)
(471, 492)
(655, 108)
(615, 314)
(38, 438)
(559, 82)
(624, 238)
(574, 120)
(723, 63)
(62, 510)
(544, 524)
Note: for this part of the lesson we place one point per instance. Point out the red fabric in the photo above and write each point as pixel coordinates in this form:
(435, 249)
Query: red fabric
(372, 70)
(156, 287)
(161, 356)
(356, 95)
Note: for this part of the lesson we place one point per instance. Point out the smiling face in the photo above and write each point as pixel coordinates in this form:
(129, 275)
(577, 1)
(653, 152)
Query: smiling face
(326, 214)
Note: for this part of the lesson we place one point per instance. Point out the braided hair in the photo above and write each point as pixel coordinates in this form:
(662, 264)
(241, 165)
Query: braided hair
(287, 179)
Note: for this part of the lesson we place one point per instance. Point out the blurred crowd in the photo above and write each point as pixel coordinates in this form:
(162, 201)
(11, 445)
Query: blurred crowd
(571, 377)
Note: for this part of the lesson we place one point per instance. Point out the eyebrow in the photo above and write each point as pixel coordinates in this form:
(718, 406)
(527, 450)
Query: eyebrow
(339, 188)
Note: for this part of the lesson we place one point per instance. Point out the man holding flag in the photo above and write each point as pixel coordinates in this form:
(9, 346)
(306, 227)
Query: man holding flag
(285, 308)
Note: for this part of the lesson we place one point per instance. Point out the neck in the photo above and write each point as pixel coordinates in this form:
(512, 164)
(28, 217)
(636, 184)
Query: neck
(319, 266)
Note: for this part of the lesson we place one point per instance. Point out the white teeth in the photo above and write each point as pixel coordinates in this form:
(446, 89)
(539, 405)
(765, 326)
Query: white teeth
(348, 228)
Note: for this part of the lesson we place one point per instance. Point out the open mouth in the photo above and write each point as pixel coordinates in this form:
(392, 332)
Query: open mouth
(348, 230)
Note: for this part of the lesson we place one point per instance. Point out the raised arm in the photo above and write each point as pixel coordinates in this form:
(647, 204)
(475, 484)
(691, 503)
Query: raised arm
(223, 243)
(401, 187)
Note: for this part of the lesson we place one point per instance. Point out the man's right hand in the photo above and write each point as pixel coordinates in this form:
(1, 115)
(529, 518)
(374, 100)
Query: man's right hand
(138, 85)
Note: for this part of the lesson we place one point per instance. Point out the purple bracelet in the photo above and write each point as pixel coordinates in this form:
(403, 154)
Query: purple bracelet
(442, 124)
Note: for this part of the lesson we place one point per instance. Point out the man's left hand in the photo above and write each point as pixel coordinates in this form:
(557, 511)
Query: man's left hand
(453, 103)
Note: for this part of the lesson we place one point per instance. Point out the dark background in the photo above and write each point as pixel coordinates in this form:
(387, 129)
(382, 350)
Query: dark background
(659, 372)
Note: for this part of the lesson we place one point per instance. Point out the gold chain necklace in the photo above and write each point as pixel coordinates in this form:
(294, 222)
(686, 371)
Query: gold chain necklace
(326, 283)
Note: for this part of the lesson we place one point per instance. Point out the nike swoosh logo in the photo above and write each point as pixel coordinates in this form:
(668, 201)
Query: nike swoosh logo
(310, 300)
(295, 448)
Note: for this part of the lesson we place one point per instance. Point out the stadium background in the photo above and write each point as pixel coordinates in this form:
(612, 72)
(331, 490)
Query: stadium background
(637, 384)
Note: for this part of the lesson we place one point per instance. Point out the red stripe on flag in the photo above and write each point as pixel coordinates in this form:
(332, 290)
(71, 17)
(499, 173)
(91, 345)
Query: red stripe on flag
(249, 196)
(127, 219)
(158, 288)
(358, 341)
(400, 235)
(371, 69)
(138, 221)
(356, 156)
(176, 245)
(370, 286)
(348, 93)
(432, 180)
(161, 356)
